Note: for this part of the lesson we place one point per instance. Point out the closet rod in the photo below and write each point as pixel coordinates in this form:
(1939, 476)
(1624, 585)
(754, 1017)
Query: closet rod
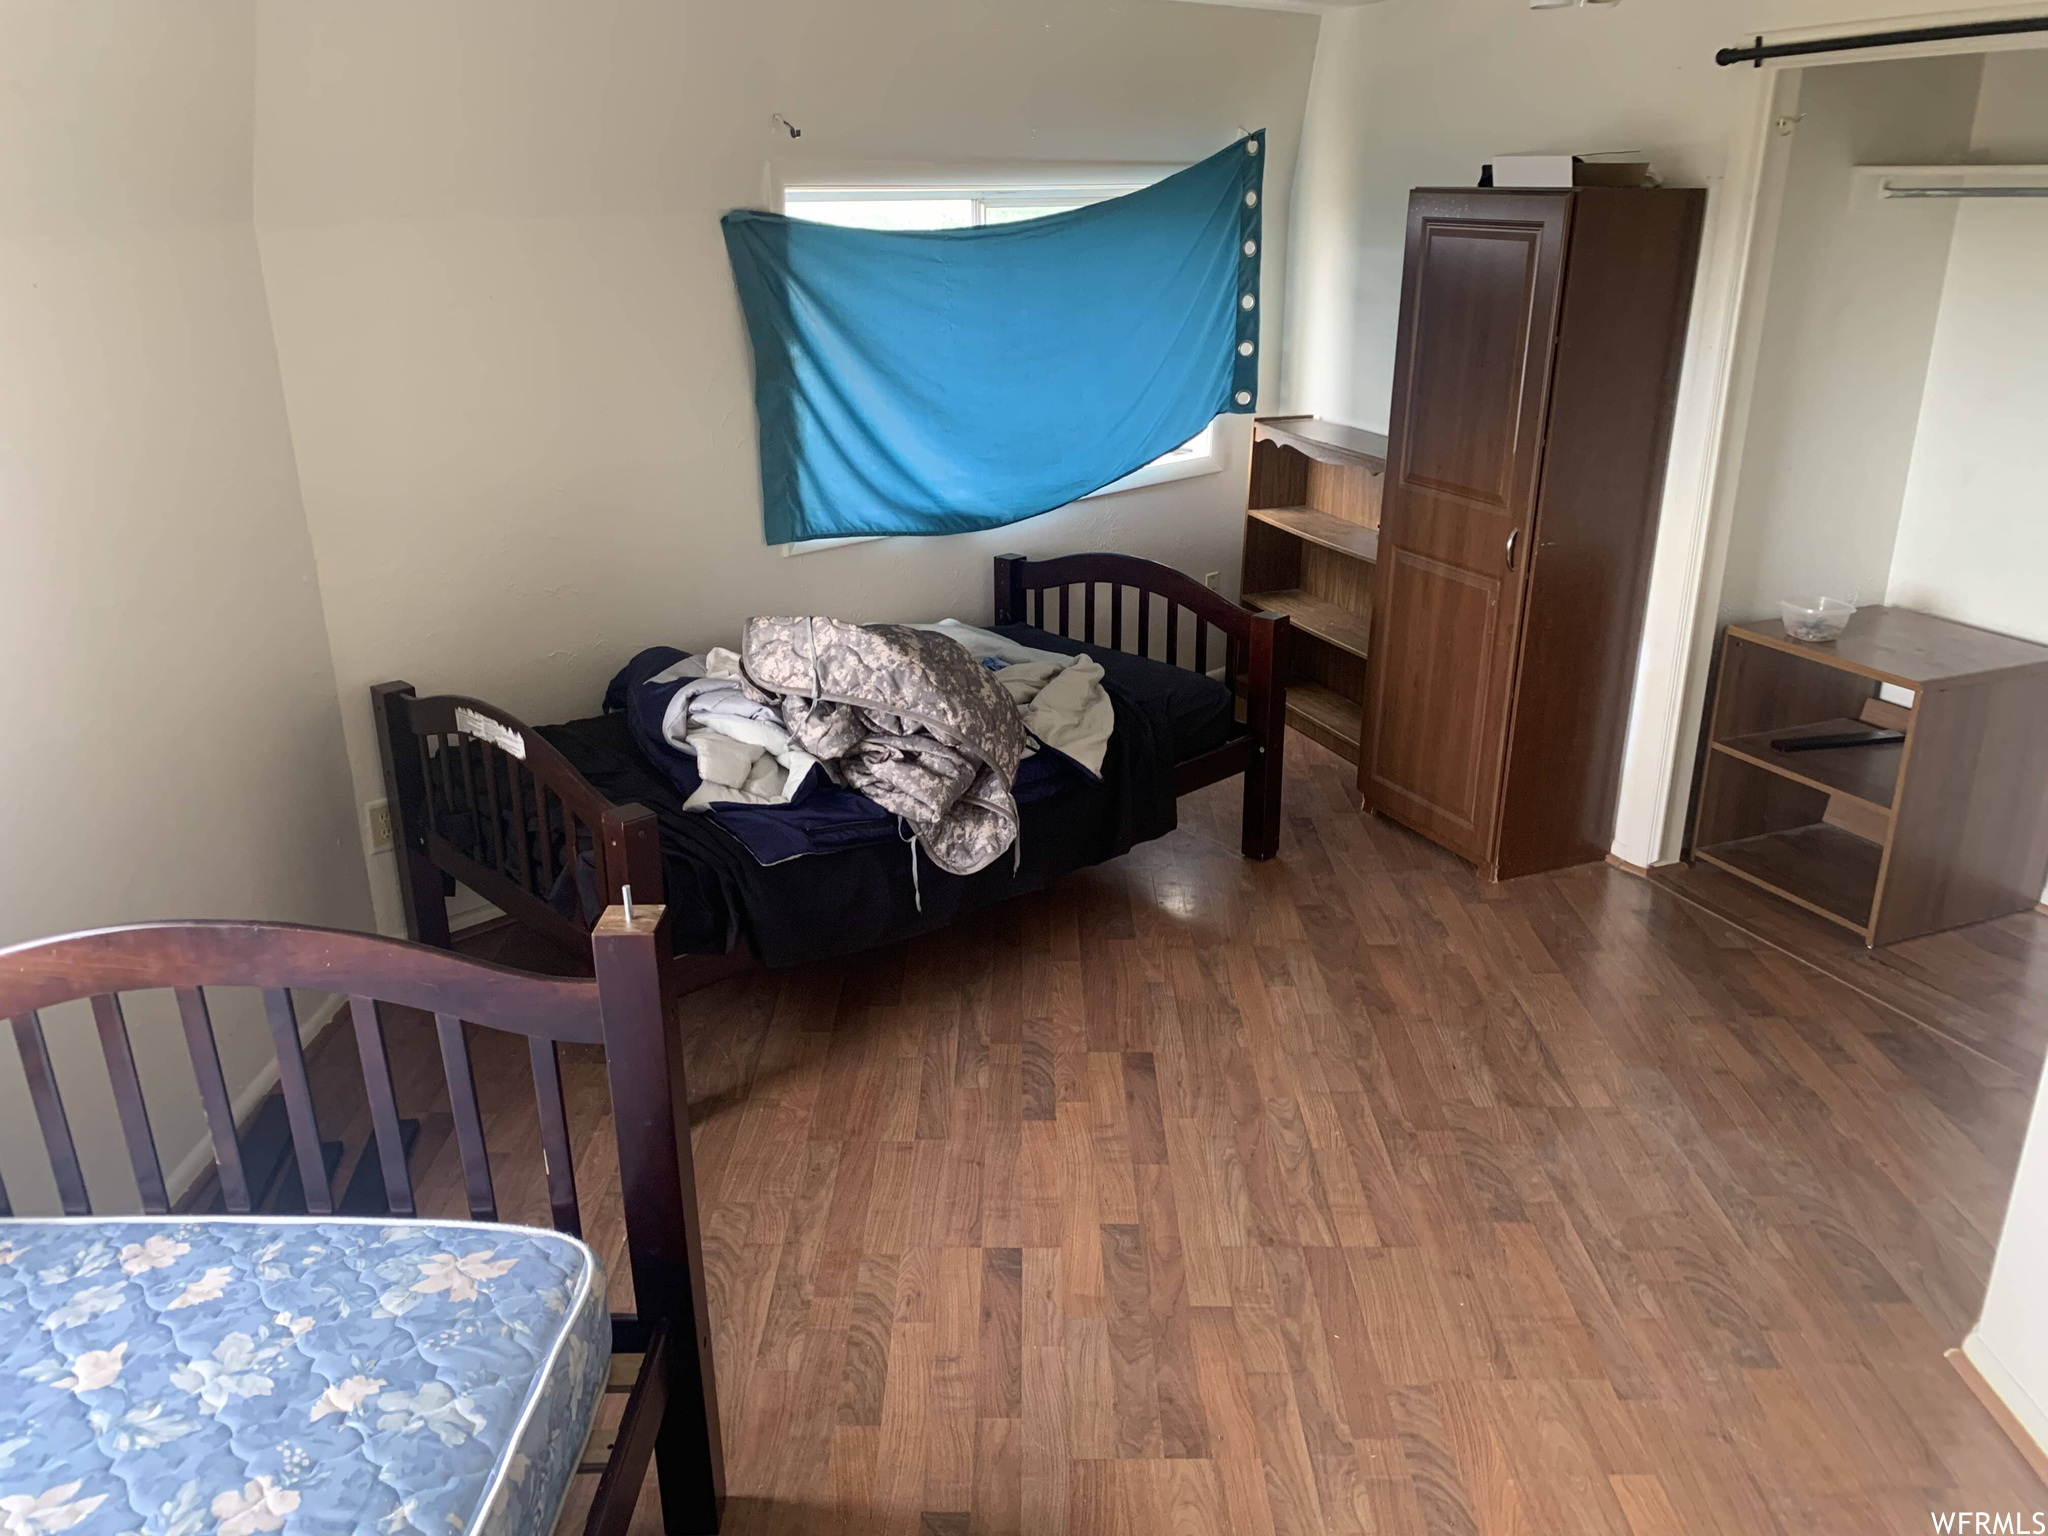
(1892, 191)
(1760, 50)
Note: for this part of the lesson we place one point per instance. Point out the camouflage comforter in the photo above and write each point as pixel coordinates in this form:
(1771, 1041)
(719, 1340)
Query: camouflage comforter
(906, 717)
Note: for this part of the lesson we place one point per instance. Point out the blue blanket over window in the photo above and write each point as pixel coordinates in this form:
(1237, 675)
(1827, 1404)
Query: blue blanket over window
(947, 380)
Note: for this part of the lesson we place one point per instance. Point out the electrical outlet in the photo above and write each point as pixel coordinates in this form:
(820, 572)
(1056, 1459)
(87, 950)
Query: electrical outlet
(377, 814)
(1213, 581)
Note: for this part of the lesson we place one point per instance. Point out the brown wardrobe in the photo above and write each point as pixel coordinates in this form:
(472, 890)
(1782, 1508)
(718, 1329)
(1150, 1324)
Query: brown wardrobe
(1534, 376)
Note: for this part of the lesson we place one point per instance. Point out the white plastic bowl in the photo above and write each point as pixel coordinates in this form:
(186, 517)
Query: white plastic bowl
(1816, 618)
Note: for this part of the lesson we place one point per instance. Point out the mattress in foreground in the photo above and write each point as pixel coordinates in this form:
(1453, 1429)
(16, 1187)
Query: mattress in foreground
(232, 1375)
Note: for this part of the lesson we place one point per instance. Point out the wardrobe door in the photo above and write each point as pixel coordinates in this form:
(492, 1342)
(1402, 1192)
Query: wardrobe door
(1479, 300)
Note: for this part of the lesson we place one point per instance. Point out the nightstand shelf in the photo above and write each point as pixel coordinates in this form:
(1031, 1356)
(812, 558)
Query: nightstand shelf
(1892, 840)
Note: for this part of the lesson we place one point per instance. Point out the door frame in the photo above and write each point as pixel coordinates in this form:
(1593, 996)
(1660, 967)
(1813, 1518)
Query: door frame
(1681, 622)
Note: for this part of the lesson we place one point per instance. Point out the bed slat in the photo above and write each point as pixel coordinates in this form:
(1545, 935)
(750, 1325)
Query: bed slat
(554, 1136)
(434, 808)
(213, 1098)
(1116, 617)
(1066, 622)
(567, 862)
(56, 1127)
(298, 1100)
(490, 762)
(515, 822)
(1038, 607)
(468, 787)
(572, 855)
(469, 1121)
(441, 764)
(369, 1021)
(127, 1086)
(546, 858)
(1144, 622)
(1201, 645)
(1173, 634)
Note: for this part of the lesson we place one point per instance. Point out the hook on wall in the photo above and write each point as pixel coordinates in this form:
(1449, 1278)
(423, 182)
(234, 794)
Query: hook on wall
(786, 125)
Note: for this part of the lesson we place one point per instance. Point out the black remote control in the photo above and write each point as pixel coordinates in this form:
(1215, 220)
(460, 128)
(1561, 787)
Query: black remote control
(1839, 739)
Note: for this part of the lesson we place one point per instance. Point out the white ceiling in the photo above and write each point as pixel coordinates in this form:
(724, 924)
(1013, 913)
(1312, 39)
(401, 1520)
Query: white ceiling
(1287, 5)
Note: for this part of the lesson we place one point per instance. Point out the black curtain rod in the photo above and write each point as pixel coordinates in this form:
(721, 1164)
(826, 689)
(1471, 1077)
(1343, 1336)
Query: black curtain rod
(1760, 50)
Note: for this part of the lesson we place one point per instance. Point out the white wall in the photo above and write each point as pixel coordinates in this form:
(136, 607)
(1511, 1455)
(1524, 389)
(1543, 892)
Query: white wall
(1419, 93)
(517, 379)
(1855, 284)
(2009, 1345)
(172, 744)
(1973, 540)
(1411, 93)
(1973, 545)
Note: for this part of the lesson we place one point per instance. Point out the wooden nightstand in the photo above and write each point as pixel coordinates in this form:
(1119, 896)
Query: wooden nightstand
(1948, 827)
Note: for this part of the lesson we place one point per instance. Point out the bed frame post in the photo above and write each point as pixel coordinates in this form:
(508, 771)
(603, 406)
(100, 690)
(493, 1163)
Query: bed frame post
(405, 787)
(1009, 589)
(658, 1182)
(632, 855)
(1266, 714)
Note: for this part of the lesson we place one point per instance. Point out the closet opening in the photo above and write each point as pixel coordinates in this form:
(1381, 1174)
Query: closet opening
(1891, 458)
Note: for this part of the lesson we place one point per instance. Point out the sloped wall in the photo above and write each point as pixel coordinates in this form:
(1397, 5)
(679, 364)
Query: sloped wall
(172, 745)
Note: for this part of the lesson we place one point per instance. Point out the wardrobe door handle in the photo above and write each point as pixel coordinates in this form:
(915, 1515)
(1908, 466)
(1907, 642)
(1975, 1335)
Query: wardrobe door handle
(1513, 535)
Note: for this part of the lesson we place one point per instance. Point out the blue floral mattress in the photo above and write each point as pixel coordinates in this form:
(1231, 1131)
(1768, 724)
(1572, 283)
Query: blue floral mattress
(234, 1375)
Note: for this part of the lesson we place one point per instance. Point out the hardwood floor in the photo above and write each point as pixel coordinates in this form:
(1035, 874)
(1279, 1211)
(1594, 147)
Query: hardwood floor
(1340, 1193)
(1971, 985)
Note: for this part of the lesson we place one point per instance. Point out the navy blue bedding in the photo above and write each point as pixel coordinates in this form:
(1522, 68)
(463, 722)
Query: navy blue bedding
(837, 886)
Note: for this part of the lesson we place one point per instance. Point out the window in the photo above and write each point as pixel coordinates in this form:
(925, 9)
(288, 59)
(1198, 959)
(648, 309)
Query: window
(974, 208)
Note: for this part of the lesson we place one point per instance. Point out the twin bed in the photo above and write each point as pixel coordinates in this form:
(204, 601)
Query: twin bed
(554, 823)
(234, 1375)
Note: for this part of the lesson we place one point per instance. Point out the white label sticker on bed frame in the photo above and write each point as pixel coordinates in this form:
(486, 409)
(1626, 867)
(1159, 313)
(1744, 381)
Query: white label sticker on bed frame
(484, 728)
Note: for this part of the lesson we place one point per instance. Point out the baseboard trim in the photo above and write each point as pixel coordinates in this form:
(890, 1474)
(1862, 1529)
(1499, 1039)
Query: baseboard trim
(2004, 1399)
(1638, 870)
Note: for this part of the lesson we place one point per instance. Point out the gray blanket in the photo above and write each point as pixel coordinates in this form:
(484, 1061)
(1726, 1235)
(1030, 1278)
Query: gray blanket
(906, 717)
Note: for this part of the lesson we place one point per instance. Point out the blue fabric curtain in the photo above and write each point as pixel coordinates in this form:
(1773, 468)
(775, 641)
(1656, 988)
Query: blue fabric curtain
(941, 381)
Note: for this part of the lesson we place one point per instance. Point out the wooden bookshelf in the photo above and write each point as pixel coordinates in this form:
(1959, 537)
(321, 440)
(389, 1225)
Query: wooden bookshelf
(1311, 541)
(1948, 827)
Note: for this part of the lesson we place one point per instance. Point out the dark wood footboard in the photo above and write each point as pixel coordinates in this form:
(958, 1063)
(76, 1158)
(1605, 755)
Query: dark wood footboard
(478, 796)
(1254, 648)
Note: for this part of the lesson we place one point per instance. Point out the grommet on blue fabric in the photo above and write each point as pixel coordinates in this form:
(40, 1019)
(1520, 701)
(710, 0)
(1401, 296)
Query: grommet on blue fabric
(1242, 393)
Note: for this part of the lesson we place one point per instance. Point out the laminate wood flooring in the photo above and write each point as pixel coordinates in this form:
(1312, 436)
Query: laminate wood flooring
(1336, 1194)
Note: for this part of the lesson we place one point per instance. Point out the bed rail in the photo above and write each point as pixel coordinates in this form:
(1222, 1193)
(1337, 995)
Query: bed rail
(1254, 656)
(478, 795)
